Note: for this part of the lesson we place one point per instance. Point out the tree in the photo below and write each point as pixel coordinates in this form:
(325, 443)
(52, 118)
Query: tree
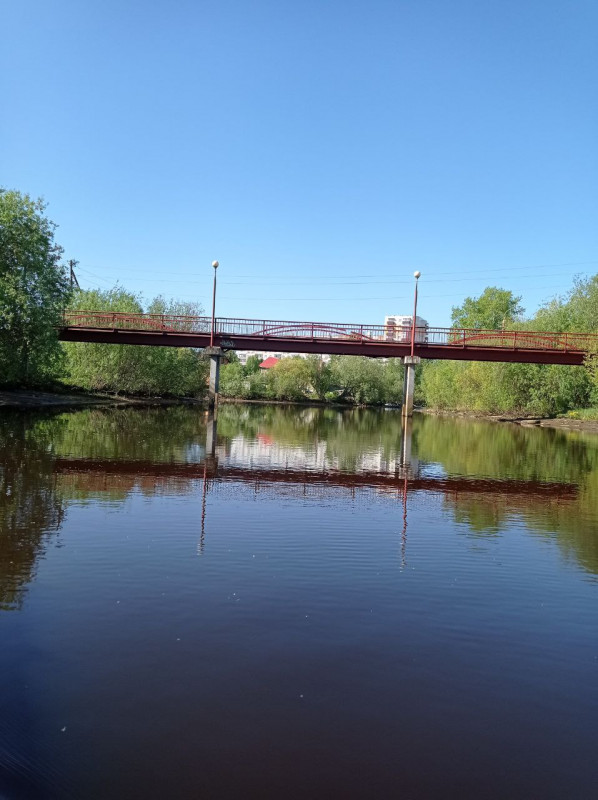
(133, 368)
(362, 380)
(291, 378)
(187, 309)
(33, 291)
(320, 376)
(493, 309)
(576, 311)
(233, 382)
(252, 365)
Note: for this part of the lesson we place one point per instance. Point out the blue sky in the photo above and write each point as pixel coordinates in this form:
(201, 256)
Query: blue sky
(321, 151)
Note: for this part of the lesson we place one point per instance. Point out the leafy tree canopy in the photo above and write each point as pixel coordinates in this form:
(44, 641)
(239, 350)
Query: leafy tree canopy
(493, 309)
(252, 365)
(576, 311)
(33, 291)
(128, 368)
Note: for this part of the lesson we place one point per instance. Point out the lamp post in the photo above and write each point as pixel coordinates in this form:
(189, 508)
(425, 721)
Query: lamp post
(215, 264)
(416, 275)
(409, 363)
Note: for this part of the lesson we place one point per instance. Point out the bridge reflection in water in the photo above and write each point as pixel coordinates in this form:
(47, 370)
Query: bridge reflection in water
(217, 467)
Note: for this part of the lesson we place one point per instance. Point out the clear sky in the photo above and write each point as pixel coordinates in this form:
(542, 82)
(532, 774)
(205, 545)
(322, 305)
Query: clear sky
(321, 151)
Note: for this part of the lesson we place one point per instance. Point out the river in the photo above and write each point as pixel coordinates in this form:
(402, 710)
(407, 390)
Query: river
(299, 603)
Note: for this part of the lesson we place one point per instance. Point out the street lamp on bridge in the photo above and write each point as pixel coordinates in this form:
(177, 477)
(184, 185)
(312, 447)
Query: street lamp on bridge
(215, 264)
(409, 363)
(416, 275)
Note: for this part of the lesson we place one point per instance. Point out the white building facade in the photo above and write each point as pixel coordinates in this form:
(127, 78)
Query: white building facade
(397, 328)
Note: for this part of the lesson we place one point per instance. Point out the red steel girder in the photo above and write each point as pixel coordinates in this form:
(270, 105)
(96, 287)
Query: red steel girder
(334, 346)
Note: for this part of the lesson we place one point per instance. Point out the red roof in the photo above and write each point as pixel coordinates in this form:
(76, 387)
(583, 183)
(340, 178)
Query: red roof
(269, 362)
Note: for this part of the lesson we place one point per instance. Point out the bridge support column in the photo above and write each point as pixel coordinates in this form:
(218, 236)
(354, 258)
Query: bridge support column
(409, 362)
(215, 354)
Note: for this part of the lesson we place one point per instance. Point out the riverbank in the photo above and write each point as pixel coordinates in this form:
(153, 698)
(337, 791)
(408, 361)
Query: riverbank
(560, 423)
(30, 399)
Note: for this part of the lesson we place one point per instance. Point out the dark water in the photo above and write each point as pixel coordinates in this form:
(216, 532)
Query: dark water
(311, 611)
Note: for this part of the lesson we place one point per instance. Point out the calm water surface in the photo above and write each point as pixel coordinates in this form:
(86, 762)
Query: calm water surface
(308, 606)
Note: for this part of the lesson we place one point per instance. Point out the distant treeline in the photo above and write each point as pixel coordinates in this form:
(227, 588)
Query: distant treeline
(344, 379)
(536, 389)
(34, 291)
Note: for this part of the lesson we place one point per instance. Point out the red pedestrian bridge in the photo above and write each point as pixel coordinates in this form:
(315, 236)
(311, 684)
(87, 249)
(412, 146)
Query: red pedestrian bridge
(375, 341)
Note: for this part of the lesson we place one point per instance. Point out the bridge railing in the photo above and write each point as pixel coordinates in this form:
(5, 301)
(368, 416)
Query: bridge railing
(302, 330)
(512, 339)
(231, 327)
(118, 320)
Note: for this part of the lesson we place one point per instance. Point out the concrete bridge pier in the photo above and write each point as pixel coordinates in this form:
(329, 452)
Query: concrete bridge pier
(215, 354)
(409, 362)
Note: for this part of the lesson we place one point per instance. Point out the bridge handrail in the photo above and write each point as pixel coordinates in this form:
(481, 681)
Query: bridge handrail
(371, 334)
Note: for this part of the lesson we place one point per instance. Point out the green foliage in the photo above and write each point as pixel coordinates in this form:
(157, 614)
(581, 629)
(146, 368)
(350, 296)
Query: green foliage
(252, 365)
(261, 385)
(291, 379)
(233, 381)
(320, 377)
(346, 379)
(133, 369)
(494, 308)
(360, 379)
(576, 311)
(33, 292)
(583, 413)
(526, 389)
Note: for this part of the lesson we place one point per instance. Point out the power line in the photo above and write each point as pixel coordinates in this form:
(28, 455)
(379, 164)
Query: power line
(339, 279)
(423, 295)
(428, 282)
(423, 292)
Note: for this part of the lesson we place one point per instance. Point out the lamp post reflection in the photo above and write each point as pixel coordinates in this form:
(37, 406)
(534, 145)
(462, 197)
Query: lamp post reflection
(209, 461)
(407, 468)
(404, 530)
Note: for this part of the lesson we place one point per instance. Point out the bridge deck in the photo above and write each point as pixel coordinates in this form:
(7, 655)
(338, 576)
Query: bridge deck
(376, 341)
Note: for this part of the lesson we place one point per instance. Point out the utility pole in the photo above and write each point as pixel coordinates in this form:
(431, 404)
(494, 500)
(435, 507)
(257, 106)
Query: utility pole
(74, 281)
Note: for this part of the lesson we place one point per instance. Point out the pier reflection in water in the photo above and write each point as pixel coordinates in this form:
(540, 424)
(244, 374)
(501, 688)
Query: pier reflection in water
(367, 594)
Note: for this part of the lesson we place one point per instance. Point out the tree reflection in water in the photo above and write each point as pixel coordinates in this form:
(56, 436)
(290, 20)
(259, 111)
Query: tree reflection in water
(31, 510)
(488, 474)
